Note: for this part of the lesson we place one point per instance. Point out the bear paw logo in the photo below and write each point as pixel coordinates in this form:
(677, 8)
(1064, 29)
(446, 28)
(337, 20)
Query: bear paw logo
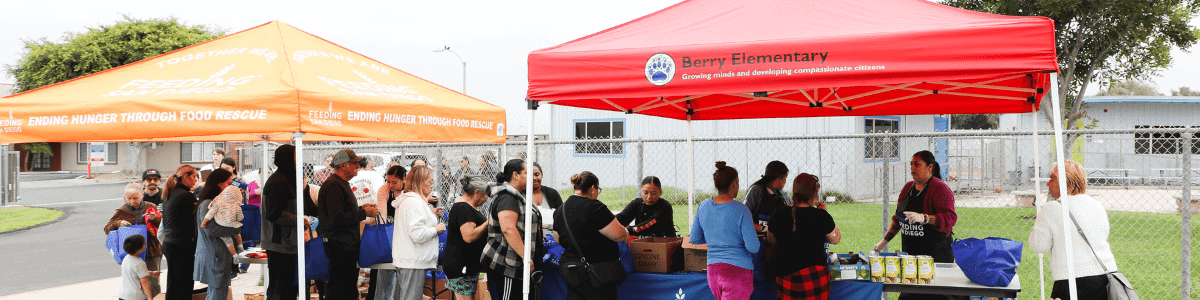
(660, 69)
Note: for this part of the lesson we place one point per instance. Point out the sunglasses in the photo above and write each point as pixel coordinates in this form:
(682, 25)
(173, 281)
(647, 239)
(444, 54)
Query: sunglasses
(815, 177)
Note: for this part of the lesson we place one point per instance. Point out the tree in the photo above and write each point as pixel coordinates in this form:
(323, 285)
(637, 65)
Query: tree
(1103, 41)
(44, 62)
(35, 148)
(1185, 91)
(981, 121)
(1130, 88)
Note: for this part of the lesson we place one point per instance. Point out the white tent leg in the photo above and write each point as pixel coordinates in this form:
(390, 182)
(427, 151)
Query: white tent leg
(691, 175)
(1059, 149)
(1037, 191)
(529, 230)
(303, 284)
(262, 179)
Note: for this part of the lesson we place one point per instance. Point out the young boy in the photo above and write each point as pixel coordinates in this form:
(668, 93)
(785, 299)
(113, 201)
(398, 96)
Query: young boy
(134, 283)
(227, 210)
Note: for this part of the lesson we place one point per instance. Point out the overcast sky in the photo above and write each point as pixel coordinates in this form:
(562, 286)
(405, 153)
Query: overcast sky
(493, 37)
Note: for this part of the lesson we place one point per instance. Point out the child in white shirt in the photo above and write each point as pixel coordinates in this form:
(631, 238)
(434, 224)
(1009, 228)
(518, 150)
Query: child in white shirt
(135, 285)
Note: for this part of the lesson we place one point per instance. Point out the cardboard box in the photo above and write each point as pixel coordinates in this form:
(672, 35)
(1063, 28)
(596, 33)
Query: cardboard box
(256, 296)
(657, 254)
(695, 257)
(438, 283)
(856, 271)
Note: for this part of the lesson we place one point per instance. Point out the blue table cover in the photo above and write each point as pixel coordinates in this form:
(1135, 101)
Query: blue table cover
(694, 286)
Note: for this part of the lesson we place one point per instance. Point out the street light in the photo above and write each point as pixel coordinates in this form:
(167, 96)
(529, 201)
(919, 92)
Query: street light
(464, 63)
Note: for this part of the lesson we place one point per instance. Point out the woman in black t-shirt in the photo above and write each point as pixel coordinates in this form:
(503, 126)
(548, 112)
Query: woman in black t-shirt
(465, 239)
(650, 214)
(800, 232)
(594, 232)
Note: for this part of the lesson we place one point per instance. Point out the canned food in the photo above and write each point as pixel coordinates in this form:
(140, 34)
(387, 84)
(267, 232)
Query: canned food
(876, 268)
(925, 269)
(891, 265)
(908, 269)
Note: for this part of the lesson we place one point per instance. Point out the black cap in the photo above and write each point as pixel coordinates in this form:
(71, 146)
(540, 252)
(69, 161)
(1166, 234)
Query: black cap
(149, 173)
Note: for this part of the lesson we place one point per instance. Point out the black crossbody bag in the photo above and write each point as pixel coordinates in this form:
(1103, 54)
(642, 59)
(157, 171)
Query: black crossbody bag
(597, 275)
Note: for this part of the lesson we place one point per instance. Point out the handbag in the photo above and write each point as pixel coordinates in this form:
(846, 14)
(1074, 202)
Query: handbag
(375, 247)
(991, 262)
(115, 240)
(598, 275)
(1119, 287)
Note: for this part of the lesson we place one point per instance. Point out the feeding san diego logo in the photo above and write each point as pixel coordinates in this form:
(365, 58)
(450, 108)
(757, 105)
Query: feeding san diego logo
(660, 68)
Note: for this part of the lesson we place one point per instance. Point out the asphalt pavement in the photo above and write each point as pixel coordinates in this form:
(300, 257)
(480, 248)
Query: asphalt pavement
(67, 252)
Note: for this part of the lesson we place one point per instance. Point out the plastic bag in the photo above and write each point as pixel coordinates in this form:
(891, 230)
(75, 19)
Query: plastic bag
(992, 261)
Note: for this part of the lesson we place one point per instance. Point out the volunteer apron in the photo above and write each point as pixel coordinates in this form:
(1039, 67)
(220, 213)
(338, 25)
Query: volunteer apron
(922, 239)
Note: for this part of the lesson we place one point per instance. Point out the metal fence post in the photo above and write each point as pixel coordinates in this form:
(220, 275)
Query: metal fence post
(1185, 210)
(3, 175)
(641, 149)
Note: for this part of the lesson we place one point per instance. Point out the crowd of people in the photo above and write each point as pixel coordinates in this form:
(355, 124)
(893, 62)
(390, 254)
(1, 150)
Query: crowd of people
(483, 217)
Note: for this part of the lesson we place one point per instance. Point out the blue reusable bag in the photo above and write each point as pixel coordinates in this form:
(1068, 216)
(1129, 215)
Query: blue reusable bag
(376, 245)
(115, 240)
(992, 261)
(626, 257)
(316, 264)
(554, 252)
(251, 223)
(441, 246)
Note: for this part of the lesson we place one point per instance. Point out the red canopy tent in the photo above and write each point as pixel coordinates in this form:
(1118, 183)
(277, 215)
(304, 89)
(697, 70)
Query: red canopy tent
(727, 59)
(780, 59)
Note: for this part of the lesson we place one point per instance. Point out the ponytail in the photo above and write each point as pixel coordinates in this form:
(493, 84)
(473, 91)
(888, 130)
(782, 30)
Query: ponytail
(175, 179)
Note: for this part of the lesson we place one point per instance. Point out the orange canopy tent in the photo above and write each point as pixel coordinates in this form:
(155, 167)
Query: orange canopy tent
(267, 80)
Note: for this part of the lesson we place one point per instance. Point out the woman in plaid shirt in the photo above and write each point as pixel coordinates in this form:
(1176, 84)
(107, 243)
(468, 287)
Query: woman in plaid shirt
(505, 243)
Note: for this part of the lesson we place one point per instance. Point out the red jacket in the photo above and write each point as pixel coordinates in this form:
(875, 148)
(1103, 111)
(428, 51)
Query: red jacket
(939, 203)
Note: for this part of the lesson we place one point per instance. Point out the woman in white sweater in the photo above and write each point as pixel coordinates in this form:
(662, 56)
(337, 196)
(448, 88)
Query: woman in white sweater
(415, 240)
(1048, 236)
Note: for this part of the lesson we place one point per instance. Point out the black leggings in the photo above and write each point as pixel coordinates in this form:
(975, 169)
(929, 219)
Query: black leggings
(180, 260)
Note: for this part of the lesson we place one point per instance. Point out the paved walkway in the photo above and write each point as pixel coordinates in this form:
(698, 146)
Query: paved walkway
(107, 289)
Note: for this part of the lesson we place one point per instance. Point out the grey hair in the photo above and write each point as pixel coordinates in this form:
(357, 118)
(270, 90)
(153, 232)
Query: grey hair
(134, 188)
(472, 184)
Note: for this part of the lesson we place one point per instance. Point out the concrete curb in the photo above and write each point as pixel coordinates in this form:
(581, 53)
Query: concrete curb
(59, 219)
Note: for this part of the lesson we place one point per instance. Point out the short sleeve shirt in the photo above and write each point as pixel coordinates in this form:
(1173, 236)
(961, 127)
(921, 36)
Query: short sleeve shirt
(586, 218)
(132, 271)
(805, 247)
(461, 257)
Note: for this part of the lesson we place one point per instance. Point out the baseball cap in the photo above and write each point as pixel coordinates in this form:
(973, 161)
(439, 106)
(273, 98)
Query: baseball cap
(149, 173)
(344, 156)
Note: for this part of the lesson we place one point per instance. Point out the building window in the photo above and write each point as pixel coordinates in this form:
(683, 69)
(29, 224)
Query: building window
(598, 130)
(82, 153)
(1162, 142)
(198, 152)
(881, 147)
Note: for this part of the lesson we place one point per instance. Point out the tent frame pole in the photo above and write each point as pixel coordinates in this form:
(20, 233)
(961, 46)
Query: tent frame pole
(528, 203)
(1060, 152)
(691, 174)
(1037, 191)
(300, 267)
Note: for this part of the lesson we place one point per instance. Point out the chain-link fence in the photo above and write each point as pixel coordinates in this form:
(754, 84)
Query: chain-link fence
(1138, 175)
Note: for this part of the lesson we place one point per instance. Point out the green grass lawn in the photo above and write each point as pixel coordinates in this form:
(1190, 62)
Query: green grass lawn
(13, 218)
(1146, 245)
